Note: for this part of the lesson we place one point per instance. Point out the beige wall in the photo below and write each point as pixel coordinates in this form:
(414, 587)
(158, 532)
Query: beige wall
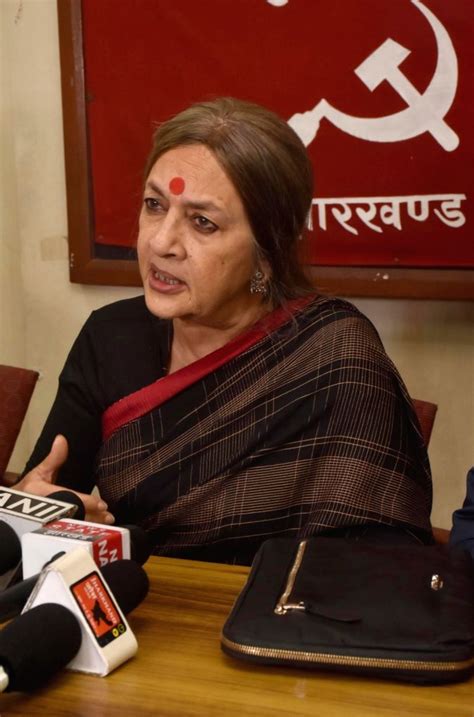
(41, 312)
(12, 305)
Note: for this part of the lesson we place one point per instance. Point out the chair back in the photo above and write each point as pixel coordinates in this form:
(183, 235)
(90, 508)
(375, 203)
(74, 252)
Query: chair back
(426, 413)
(16, 389)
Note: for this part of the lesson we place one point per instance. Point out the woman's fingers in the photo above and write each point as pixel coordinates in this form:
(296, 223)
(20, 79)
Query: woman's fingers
(48, 468)
(41, 481)
(95, 507)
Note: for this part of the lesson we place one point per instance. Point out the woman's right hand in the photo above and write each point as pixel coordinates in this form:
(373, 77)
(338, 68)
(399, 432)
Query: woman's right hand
(41, 480)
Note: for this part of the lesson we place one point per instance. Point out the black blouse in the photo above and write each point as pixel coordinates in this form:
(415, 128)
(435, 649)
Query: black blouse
(121, 348)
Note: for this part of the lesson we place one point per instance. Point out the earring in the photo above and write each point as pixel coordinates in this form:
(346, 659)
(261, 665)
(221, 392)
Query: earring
(258, 285)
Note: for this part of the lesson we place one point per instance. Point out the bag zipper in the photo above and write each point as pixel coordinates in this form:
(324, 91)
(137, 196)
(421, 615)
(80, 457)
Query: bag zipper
(283, 605)
(346, 660)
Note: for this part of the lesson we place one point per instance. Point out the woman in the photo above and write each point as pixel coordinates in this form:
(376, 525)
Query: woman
(232, 403)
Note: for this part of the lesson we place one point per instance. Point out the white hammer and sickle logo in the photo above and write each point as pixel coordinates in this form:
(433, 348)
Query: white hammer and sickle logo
(424, 113)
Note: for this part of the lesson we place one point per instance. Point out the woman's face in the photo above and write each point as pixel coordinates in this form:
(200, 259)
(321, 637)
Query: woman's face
(195, 246)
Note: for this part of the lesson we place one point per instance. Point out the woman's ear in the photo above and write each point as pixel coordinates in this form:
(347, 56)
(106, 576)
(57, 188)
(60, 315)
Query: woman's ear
(264, 266)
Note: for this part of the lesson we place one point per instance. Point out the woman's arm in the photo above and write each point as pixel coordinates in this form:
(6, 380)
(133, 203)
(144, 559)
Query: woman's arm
(64, 455)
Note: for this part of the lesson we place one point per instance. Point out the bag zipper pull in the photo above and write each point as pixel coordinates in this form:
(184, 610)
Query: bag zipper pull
(282, 609)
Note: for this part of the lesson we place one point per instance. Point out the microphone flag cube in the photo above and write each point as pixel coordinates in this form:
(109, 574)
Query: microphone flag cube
(74, 581)
(103, 543)
(25, 512)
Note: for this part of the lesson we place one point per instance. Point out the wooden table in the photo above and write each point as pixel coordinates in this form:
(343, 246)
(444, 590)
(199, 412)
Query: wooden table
(180, 670)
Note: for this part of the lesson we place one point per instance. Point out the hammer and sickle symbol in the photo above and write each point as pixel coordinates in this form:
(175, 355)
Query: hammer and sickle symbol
(425, 112)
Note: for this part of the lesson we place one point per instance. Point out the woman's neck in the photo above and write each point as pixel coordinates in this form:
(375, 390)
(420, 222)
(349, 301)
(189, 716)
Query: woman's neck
(192, 340)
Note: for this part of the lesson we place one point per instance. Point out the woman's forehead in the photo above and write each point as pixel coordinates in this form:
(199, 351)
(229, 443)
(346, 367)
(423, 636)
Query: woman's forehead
(177, 185)
(192, 170)
(187, 162)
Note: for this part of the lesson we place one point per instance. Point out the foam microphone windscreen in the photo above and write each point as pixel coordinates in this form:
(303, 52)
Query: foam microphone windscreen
(37, 644)
(67, 496)
(10, 548)
(128, 582)
(126, 578)
(140, 546)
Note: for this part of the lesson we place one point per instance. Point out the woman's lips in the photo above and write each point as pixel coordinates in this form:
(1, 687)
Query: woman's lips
(164, 282)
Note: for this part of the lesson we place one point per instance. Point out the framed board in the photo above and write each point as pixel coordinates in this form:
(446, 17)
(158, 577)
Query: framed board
(379, 92)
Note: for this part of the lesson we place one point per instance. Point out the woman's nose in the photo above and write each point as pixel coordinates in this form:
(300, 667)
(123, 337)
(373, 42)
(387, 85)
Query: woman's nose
(167, 238)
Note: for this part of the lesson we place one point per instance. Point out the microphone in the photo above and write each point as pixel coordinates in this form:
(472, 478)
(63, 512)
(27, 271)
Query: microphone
(104, 543)
(127, 580)
(140, 546)
(37, 644)
(67, 496)
(10, 554)
(13, 598)
(25, 512)
(75, 581)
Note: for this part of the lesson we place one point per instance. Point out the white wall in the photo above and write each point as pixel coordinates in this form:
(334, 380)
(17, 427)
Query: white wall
(41, 312)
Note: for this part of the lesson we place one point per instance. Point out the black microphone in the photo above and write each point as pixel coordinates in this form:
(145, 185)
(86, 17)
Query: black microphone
(13, 599)
(127, 580)
(67, 496)
(36, 645)
(140, 546)
(10, 554)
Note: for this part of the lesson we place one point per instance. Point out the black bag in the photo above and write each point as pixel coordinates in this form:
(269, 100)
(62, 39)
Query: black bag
(403, 612)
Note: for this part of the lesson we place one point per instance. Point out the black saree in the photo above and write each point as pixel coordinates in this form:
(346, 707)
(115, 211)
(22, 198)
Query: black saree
(300, 426)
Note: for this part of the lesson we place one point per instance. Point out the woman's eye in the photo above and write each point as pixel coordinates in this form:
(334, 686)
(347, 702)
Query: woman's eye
(152, 204)
(204, 225)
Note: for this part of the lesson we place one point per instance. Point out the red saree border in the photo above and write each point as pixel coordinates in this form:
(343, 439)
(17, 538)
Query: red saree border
(149, 397)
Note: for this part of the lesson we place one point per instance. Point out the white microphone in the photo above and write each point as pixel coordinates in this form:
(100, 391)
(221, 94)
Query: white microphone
(21, 512)
(104, 543)
(75, 582)
(25, 512)
(127, 579)
(36, 645)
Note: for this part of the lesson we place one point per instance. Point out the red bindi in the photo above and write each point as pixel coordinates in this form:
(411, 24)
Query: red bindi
(177, 185)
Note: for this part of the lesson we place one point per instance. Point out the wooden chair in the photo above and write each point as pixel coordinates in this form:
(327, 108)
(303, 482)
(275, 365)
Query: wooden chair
(16, 389)
(426, 413)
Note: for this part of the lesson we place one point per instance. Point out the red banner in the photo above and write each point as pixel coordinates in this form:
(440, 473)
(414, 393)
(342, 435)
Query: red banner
(379, 92)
